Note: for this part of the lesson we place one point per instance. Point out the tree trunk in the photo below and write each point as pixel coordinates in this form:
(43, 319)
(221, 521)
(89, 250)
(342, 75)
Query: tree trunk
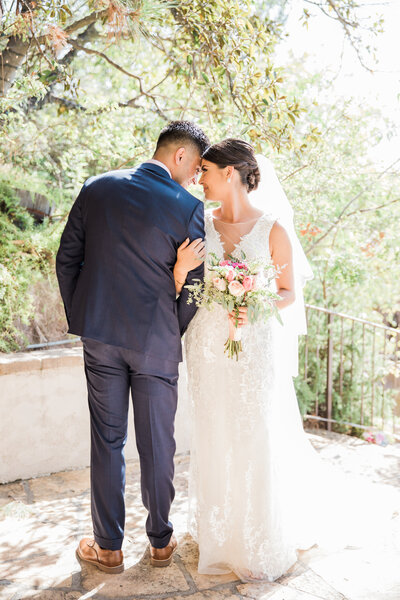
(10, 61)
(15, 53)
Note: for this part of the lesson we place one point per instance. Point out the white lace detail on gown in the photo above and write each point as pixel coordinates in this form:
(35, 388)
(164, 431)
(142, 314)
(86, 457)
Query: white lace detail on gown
(254, 493)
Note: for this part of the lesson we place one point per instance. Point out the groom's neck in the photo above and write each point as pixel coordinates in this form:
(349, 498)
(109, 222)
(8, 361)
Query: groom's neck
(165, 159)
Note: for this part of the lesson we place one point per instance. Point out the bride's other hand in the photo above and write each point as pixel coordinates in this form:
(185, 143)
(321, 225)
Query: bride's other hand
(189, 256)
(242, 318)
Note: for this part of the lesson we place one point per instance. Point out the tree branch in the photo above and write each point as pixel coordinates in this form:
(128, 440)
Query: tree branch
(363, 210)
(34, 103)
(70, 104)
(350, 202)
(294, 172)
(339, 17)
(123, 70)
(346, 24)
(86, 21)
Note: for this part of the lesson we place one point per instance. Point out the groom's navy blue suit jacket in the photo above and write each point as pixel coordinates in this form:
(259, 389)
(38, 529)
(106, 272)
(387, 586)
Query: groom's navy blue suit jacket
(116, 258)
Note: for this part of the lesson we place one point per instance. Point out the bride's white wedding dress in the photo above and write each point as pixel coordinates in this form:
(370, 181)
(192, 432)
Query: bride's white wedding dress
(256, 487)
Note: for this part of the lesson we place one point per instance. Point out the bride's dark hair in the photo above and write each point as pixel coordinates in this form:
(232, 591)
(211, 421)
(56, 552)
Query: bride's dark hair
(238, 154)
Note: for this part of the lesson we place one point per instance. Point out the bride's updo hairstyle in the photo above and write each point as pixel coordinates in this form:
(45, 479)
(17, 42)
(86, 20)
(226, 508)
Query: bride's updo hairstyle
(238, 154)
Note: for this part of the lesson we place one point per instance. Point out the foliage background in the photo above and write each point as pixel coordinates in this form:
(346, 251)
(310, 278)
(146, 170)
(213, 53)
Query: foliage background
(101, 78)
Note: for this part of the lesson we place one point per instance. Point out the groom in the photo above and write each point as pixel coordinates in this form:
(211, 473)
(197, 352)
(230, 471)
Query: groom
(115, 272)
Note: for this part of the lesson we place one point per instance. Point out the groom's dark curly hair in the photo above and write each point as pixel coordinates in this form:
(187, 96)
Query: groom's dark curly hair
(181, 132)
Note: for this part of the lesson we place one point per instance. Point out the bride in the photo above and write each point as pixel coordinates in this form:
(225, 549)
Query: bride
(254, 497)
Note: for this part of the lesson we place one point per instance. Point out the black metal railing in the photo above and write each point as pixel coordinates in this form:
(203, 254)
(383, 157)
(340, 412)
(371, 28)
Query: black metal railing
(46, 345)
(349, 372)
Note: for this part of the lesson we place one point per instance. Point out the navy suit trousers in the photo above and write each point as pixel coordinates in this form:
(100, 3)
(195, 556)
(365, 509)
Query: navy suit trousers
(112, 373)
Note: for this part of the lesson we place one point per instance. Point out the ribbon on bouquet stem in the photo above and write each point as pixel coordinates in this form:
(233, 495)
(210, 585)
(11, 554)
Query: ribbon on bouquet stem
(233, 344)
(235, 333)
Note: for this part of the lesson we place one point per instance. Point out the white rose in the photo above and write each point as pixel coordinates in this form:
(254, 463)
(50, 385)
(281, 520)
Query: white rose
(236, 288)
(219, 283)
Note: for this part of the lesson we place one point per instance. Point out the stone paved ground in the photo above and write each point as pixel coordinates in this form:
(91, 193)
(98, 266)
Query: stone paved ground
(42, 520)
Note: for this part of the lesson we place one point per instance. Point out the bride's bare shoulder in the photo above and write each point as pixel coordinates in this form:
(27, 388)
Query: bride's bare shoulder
(278, 235)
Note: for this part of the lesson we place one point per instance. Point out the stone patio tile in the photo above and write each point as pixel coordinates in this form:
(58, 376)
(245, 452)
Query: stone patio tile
(42, 520)
(60, 485)
(16, 592)
(49, 594)
(38, 588)
(31, 551)
(139, 579)
(12, 491)
(297, 569)
(361, 574)
(301, 577)
(188, 551)
(8, 589)
(273, 591)
(15, 509)
(208, 595)
(58, 595)
(135, 547)
(312, 583)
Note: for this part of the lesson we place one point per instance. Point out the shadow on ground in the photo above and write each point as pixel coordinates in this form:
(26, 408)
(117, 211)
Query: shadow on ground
(43, 519)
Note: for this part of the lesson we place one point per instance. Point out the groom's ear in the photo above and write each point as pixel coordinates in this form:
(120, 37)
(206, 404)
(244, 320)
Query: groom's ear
(179, 154)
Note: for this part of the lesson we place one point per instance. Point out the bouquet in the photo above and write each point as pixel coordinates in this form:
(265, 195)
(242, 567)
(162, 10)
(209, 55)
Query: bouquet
(234, 284)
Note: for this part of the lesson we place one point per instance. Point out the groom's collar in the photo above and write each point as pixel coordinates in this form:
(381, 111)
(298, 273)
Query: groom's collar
(158, 163)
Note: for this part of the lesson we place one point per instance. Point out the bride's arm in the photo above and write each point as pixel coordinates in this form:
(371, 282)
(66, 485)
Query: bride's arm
(190, 255)
(281, 253)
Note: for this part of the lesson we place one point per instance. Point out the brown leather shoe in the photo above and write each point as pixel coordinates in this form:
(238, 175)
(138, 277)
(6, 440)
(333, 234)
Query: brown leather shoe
(109, 561)
(162, 557)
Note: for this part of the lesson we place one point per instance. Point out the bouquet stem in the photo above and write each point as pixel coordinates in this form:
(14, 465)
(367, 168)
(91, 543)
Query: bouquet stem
(233, 344)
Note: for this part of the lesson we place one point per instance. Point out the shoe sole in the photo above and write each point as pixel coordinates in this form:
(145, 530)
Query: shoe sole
(163, 563)
(112, 570)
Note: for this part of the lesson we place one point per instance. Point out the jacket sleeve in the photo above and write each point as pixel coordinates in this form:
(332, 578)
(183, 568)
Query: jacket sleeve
(187, 311)
(71, 254)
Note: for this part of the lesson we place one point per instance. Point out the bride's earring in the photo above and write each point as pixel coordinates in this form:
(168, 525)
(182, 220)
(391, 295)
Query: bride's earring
(229, 179)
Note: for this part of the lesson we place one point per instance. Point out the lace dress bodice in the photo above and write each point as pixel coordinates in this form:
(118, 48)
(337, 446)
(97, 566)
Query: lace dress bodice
(231, 235)
(252, 238)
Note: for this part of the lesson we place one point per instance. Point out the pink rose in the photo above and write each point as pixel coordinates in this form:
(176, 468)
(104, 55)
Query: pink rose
(219, 283)
(236, 288)
(230, 275)
(224, 263)
(248, 283)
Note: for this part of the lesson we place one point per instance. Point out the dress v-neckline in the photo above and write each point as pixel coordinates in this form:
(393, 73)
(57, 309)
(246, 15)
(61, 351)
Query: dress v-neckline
(243, 237)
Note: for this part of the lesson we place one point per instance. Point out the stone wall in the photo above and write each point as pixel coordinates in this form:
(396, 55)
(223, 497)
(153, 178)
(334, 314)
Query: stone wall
(44, 418)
